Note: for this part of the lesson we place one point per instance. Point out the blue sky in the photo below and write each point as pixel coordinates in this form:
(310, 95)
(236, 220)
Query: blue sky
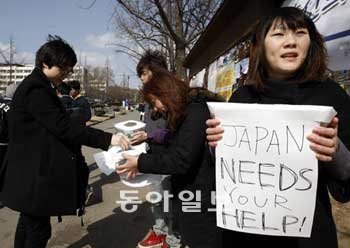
(89, 31)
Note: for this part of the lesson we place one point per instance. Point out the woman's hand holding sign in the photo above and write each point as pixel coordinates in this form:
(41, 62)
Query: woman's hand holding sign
(324, 141)
(214, 132)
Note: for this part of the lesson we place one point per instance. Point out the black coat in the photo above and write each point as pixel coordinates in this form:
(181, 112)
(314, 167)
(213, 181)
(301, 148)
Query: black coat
(187, 159)
(43, 175)
(4, 139)
(326, 93)
(84, 107)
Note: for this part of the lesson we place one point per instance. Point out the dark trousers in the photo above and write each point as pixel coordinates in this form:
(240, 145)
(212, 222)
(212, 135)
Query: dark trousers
(32, 231)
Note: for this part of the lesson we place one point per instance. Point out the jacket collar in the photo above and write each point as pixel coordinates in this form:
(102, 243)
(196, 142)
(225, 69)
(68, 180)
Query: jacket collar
(42, 78)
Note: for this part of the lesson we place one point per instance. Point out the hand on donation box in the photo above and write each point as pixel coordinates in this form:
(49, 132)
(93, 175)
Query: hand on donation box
(129, 167)
(121, 140)
(138, 137)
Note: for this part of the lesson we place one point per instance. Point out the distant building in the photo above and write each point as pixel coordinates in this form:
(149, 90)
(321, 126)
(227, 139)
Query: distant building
(99, 85)
(13, 73)
(80, 74)
(17, 72)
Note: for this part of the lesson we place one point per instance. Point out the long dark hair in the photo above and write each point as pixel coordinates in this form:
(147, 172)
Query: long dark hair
(315, 64)
(171, 91)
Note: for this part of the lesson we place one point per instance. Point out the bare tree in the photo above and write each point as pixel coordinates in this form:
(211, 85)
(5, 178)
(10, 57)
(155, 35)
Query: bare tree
(97, 76)
(118, 93)
(7, 55)
(172, 26)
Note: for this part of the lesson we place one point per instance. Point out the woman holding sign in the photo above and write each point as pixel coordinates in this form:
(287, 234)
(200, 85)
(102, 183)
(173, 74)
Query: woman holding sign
(288, 66)
(186, 157)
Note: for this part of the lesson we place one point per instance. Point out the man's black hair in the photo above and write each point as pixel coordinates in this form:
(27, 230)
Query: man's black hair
(55, 52)
(74, 84)
(151, 58)
(64, 88)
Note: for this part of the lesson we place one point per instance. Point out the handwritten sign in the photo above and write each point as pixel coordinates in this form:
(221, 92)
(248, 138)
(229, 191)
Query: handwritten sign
(266, 173)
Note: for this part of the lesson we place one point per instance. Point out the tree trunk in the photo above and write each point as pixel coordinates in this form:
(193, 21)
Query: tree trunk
(180, 57)
(180, 53)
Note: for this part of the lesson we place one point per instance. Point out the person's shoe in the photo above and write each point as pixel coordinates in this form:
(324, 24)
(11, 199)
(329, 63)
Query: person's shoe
(152, 240)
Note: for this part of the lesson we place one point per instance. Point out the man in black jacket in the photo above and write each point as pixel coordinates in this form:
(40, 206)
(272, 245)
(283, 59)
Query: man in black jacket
(79, 100)
(63, 92)
(43, 176)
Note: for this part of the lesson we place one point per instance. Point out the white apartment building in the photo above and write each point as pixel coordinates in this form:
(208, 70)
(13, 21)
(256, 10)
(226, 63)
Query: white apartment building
(99, 85)
(80, 74)
(17, 72)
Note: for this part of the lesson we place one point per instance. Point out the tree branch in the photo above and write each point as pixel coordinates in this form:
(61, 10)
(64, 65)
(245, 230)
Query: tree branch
(166, 22)
(89, 6)
(134, 13)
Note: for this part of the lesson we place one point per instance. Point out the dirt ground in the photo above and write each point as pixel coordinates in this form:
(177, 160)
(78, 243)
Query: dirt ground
(341, 213)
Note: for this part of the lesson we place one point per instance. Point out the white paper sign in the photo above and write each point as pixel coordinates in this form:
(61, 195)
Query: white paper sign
(266, 173)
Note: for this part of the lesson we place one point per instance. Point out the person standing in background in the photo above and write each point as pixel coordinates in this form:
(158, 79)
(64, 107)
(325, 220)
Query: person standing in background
(83, 106)
(63, 92)
(79, 100)
(141, 109)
